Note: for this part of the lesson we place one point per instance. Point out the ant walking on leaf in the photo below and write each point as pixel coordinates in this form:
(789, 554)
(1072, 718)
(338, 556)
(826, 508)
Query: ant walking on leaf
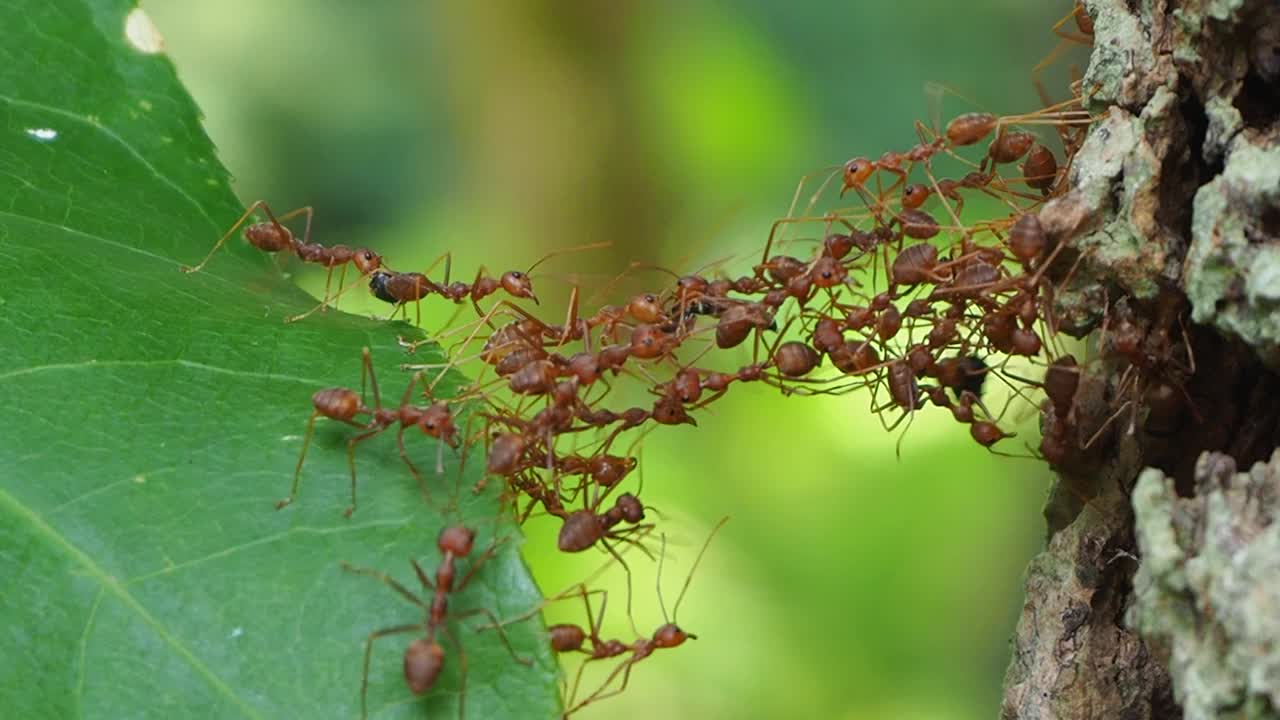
(425, 657)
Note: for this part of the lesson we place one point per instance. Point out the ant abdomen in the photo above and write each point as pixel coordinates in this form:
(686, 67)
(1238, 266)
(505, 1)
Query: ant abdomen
(269, 237)
(1026, 238)
(795, 358)
(918, 224)
(1040, 169)
(969, 128)
(902, 386)
(1008, 147)
(567, 637)
(505, 453)
(423, 660)
(337, 403)
(580, 530)
(915, 264)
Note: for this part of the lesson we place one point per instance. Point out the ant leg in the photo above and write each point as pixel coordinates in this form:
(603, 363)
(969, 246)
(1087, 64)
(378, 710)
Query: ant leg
(328, 282)
(502, 634)
(305, 210)
(368, 653)
(389, 581)
(366, 370)
(306, 443)
(462, 671)
(236, 226)
(625, 668)
(351, 462)
(422, 575)
(297, 472)
(404, 455)
(328, 301)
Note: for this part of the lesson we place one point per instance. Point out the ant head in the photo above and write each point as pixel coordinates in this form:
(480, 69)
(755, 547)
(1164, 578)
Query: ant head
(691, 285)
(856, 172)
(423, 660)
(437, 422)
(631, 507)
(378, 286)
(366, 260)
(828, 272)
(670, 411)
(670, 635)
(987, 433)
(914, 195)
(646, 308)
(456, 540)
(648, 341)
(517, 284)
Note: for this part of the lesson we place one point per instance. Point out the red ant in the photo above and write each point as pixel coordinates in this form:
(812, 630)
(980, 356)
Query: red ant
(343, 405)
(424, 658)
(400, 289)
(273, 237)
(668, 635)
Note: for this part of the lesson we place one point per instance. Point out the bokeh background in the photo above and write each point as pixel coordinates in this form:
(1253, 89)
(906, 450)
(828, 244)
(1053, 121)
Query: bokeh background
(850, 582)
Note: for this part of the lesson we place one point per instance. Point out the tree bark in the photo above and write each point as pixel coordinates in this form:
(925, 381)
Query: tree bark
(1158, 595)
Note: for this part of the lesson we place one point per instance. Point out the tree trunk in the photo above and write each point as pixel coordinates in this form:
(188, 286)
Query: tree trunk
(1158, 595)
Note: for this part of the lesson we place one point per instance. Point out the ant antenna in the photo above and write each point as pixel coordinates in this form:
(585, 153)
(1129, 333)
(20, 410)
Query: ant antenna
(566, 251)
(688, 578)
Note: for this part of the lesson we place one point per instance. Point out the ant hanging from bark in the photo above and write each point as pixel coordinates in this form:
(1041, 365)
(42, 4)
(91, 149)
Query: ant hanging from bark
(424, 658)
(273, 237)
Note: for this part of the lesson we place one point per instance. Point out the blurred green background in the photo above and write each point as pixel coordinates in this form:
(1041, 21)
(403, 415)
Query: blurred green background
(849, 583)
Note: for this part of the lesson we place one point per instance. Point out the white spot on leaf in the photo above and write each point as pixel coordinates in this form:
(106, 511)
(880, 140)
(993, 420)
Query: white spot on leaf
(144, 104)
(140, 478)
(142, 33)
(43, 134)
(237, 633)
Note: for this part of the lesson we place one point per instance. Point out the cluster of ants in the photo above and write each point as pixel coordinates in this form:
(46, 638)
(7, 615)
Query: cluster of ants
(901, 298)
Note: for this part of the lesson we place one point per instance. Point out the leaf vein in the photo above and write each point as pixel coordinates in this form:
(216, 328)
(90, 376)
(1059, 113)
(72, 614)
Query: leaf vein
(57, 367)
(266, 540)
(107, 582)
(119, 140)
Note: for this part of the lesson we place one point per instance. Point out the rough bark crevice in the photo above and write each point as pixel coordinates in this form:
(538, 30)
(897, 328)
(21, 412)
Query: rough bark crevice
(1173, 215)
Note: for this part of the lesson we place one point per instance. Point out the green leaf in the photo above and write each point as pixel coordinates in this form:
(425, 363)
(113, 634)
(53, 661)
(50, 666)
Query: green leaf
(154, 418)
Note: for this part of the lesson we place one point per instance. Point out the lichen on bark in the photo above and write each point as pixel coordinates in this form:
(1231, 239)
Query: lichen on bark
(1207, 593)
